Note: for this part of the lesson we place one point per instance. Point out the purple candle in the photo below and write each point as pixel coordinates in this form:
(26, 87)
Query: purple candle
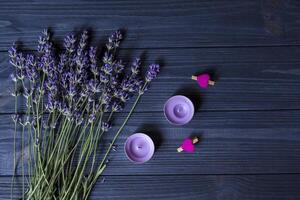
(179, 110)
(139, 148)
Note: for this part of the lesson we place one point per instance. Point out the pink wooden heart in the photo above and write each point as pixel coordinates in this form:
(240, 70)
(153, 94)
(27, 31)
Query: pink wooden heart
(203, 80)
(188, 145)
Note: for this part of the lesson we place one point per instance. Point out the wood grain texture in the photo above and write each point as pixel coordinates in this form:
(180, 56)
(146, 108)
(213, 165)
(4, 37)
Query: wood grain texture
(264, 78)
(157, 23)
(191, 187)
(248, 124)
(230, 143)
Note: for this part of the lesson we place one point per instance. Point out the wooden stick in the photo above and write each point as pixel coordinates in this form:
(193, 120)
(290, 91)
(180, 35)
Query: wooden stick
(180, 149)
(211, 82)
(195, 140)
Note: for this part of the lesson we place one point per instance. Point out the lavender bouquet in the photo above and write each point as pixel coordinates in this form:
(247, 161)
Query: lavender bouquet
(71, 98)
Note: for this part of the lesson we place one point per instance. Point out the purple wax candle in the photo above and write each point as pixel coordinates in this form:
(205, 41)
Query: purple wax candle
(179, 110)
(139, 148)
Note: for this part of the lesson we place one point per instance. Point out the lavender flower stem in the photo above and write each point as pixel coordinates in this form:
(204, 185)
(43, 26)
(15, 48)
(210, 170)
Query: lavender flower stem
(15, 132)
(101, 166)
(98, 136)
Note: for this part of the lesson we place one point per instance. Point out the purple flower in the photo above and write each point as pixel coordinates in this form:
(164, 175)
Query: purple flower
(104, 78)
(12, 51)
(44, 42)
(107, 69)
(83, 40)
(114, 40)
(71, 91)
(107, 58)
(106, 98)
(75, 83)
(93, 60)
(117, 106)
(31, 68)
(114, 81)
(94, 86)
(122, 95)
(17, 59)
(50, 105)
(105, 126)
(78, 118)
(136, 65)
(119, 67)
(61, 63)
(69, 43)
(152, 72)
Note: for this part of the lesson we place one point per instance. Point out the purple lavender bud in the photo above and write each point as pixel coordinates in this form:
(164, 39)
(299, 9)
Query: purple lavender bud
(107, 58)
(93, 60)
(104, 78)
(152, 72)
(136, 65)
(93, 86)
(105, 126)
(122, 95)
(92, 53)
(12, 51)
(46, 63)
(114, 80)
(83, 39)
(119, 67)
(139, 83)
(31, 68)
(71, 90)
(114, 40)
(78, 118)
(69, 43)
(44, 44)
(62, 62)
(20, 75)
(107, 69)
(83, 94)
(18, 61)
(67, 112)
(105, 108)
(117, 106)
(129, 84)
(106, 98)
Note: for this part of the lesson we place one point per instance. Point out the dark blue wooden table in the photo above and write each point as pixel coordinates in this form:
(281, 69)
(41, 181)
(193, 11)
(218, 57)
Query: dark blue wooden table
(249, 123)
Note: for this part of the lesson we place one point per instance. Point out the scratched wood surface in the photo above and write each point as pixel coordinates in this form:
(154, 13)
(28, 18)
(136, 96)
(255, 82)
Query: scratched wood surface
(248, 123)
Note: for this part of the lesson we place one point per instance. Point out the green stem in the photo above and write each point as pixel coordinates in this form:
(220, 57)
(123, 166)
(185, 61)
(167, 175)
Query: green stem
(15, 132)
(102, 164)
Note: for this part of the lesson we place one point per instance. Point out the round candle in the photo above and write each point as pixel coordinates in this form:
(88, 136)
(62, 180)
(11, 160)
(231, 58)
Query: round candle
(179, 110)
(139, 148)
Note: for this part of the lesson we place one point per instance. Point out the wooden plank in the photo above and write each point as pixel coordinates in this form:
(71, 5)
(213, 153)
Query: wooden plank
(191, 187)
(247, 78)
(157, 23)
(231, 142)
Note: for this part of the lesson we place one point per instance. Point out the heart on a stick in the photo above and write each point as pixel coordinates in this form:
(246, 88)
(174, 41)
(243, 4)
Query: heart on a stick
(203, 80)
(188, 145)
